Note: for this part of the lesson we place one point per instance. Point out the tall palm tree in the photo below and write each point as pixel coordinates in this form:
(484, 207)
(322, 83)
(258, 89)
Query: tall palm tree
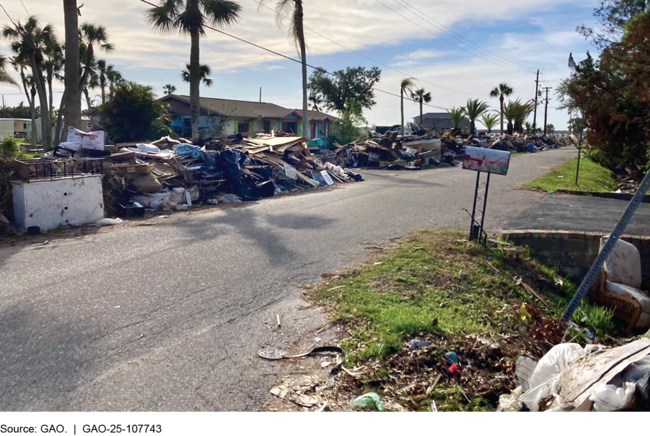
(30, 41)
(101, 69)
(474, 109)
(190, 17)
(204, 76)
(422, 96)
(21, 64)
(293, 11)
(92, 37)
(457, 116)
(71, 103)
(91, 83)
(4, 76)
(53, 66)
(502, 91)
(489, 121)
(169, 89)
(407, 86)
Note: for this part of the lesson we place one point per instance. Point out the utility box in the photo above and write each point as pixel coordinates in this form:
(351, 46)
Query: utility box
(49, 203)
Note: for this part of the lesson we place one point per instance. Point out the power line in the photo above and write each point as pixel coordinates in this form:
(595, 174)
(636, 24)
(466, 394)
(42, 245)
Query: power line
(374, 60)
(294, 59)
(444, 39)
(25, 7)
(460, 37)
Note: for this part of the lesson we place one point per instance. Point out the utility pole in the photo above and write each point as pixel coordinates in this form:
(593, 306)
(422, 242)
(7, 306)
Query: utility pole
(536, 94)
(546, 109)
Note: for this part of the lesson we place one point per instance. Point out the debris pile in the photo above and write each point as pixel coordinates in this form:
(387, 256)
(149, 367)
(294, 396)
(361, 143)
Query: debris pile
(175, 174)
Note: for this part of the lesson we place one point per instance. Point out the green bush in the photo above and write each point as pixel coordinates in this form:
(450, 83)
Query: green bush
(135, 114)
(9, 148)
(348, 129)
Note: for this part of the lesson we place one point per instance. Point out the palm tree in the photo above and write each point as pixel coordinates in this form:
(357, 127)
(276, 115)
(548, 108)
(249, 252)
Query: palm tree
(114, 79)
(316, 101)
(489, 121)
(205, 72)
(30, 41)
(474, 109)
(21, 64)
(53, 66)
(91, 83)
(457, 116)
(189, 17)
(294, 12)
(502, 91)
(523, 111)
(4, 76)
(422, 96)
(406, 87)
(92, 36)
(169, 89)
(71, 103)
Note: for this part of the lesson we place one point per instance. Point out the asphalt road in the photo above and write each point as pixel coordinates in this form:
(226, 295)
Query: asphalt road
(170, 316)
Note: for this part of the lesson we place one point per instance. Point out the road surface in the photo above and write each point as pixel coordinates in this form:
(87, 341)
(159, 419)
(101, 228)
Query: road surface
(170, 316)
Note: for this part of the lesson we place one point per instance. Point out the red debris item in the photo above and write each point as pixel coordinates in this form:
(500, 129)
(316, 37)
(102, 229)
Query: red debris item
(454, 369)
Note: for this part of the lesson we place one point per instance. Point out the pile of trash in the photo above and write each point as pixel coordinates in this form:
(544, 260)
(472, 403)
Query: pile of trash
(390, 151)
(594, 378)
(175, 174)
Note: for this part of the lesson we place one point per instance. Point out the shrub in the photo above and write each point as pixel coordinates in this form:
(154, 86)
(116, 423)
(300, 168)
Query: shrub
(134, 114)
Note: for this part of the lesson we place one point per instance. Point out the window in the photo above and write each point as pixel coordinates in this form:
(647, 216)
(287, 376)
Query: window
(244, 127)
(25, 126)
(314, 135)
(267, 127)
(290, 127)
(327, 130)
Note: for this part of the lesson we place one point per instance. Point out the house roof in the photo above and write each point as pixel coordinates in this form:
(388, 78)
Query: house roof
(248, 109)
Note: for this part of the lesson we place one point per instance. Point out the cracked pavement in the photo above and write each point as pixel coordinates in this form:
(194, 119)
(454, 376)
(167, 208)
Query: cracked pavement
(169, 317)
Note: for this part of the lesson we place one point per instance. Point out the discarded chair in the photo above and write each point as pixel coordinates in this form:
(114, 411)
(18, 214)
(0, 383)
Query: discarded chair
(619, 284)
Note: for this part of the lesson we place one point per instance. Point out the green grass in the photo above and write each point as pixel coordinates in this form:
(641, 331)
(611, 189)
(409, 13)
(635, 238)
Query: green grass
(416, 288)
(593, 178)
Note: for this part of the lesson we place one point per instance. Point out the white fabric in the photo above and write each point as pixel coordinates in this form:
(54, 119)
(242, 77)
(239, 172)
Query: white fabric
(624, 264)
(639, 296)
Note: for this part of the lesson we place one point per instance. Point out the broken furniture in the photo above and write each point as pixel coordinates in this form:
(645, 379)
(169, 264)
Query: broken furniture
(619, 286)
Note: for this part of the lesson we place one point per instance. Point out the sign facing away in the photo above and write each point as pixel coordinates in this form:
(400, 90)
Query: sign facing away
(486, 160)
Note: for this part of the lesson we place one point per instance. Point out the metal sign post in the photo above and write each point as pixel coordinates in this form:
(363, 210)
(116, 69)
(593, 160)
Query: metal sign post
(589, 279)
(483, 160)
(582, 130)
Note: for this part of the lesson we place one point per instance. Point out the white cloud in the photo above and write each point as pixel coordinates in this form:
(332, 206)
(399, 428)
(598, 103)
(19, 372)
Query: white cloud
(357, 24)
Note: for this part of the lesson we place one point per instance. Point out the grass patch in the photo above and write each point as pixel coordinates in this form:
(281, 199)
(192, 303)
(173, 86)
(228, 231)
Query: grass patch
(419, 288)
(593, 178)
(437, 284)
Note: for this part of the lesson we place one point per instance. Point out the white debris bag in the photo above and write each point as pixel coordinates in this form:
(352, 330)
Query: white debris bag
(543, 382)
(149, 148)
(89, 141)
(608, 398)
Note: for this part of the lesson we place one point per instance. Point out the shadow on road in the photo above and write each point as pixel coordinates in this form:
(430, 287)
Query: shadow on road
(256, 228)
(38, 358)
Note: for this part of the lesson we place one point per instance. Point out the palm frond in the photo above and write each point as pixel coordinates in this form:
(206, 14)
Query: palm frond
(222, 13)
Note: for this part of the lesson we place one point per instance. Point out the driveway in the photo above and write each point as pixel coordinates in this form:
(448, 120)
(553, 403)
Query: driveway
(170, 316)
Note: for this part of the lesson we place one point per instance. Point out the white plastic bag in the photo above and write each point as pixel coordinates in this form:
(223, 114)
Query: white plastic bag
(608, 398)
(543, 382)
(510, 402)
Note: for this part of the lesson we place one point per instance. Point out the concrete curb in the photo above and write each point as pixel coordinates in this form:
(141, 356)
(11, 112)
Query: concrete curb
(611, 195)
(564, 234)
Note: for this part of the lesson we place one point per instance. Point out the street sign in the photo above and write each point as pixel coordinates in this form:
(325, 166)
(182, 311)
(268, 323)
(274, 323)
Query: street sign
(485, 160)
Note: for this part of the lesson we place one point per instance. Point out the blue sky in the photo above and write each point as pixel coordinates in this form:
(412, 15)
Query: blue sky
(524, 35)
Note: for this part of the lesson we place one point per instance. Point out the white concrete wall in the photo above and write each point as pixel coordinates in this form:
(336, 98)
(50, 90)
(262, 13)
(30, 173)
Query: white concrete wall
(51, 203)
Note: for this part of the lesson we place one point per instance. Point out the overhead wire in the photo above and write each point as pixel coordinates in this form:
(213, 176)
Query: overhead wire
(374, 60)
(444, 39)
(25, 7)
(294, 59)
(459, 37)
